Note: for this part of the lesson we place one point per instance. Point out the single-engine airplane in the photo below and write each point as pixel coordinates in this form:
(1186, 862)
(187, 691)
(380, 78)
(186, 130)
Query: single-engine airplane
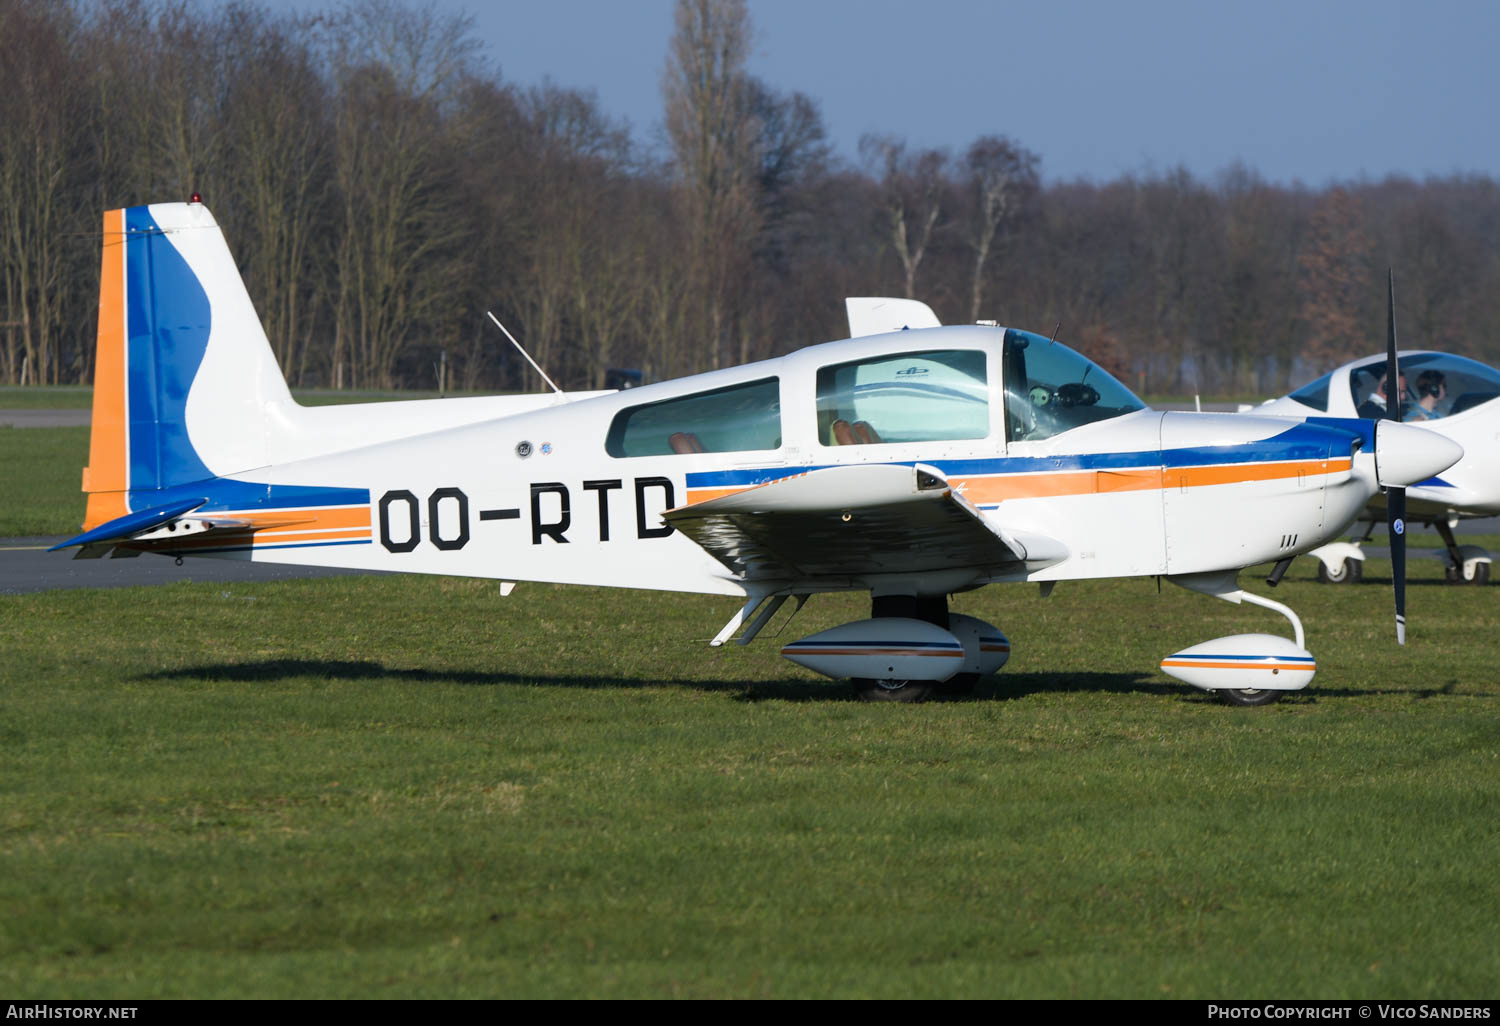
(1446, 394)
(909, 465)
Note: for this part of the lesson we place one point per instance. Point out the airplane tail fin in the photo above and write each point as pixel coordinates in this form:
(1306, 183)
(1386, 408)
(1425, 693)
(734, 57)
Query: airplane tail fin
(184, 376)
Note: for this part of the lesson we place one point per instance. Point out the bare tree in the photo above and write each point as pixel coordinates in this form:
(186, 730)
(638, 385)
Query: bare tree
(399, 244)
(1335, 280)
(915, 193)
(713, 134)
(274, 110)
(39, 104)
(1002, 177)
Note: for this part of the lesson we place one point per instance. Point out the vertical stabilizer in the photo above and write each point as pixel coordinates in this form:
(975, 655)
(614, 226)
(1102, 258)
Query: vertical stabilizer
(184, 374)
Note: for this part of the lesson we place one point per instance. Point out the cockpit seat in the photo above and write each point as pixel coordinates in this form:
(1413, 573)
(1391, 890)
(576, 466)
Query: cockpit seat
(684, 442)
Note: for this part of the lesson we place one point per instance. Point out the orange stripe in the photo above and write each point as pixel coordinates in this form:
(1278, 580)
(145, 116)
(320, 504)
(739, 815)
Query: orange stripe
(697, 495)
(106, 476)
(1239, 666)
(1192, 477)
(987, 490)
(303, 519)
(280, 527)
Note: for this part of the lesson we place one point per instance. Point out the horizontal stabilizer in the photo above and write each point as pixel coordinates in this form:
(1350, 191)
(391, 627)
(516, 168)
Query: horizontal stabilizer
(133, 523)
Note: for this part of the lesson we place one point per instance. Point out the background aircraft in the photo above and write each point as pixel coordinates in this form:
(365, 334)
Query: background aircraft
(910, 465)
(1449, 395)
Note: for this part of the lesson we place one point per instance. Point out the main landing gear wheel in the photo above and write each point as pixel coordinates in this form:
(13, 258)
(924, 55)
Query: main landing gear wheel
(1455, 574)
(1348, 572)
(1249, 696)
(869, 689)
(933, 609)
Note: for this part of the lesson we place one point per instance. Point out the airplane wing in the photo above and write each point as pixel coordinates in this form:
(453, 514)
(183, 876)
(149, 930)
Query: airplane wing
(857, 520)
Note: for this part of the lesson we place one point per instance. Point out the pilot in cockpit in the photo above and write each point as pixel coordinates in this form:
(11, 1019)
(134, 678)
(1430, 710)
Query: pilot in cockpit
(1375, 404)
(1432, 390)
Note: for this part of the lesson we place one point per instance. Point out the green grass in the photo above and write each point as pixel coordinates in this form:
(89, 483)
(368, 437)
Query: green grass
(46, 397)
(43, 471)
(411, 787)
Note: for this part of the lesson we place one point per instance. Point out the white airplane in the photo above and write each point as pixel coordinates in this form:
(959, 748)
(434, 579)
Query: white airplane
(1449, 395)
(909, 465)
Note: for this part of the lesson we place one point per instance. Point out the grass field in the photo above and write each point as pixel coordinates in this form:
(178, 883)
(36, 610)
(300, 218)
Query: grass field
(43, 473)
(412, 787)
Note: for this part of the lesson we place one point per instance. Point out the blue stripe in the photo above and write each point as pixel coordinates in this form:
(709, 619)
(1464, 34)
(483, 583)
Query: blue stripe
(1245, 658)
(289, 545)
(1365, 429)
(1298, 442)
(225, 493)
(880, 644)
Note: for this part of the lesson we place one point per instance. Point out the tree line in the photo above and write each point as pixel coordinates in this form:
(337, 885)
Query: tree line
(382, 188)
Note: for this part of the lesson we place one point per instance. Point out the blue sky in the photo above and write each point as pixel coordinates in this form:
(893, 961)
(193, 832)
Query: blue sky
(1310, 91)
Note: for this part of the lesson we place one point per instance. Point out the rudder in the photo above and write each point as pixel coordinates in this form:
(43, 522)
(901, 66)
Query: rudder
(184, 374)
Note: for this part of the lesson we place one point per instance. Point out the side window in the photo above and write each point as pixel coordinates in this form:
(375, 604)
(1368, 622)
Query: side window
(734, 419)
(913, 397)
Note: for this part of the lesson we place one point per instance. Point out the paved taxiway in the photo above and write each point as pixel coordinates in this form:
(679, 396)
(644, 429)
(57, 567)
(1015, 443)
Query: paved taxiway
(26, 565)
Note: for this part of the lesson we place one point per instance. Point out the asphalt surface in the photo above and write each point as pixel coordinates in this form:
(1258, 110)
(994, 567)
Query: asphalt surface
(45, 418)
(26, 566)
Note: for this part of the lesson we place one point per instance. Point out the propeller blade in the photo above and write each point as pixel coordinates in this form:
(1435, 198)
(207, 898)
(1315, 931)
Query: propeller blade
(1395, 497)
(1395, 507)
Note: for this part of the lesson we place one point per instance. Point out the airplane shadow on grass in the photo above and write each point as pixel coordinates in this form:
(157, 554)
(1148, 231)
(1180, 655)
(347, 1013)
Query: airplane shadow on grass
(1002, 687)
(999, 688)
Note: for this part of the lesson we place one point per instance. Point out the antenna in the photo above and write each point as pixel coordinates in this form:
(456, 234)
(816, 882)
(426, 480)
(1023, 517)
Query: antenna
(527, 355)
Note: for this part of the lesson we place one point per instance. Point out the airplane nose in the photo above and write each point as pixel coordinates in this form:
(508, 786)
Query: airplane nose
(1406, 454)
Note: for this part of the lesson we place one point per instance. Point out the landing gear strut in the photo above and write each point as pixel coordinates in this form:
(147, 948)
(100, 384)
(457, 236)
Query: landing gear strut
(1467, 564)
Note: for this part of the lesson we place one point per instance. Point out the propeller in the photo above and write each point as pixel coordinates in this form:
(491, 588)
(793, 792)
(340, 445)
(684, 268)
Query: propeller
(1395, 495)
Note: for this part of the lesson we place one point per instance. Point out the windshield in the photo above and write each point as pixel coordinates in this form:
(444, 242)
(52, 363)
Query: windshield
(1050, 389)
(1433, 385)
(1315, 394)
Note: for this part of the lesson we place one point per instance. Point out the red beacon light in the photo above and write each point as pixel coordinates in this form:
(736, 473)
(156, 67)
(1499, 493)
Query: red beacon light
(196, 197)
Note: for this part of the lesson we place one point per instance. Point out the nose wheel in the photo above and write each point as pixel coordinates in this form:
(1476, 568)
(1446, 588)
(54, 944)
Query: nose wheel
(1249, 696)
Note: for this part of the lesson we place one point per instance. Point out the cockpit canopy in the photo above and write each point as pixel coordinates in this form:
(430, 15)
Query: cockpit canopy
(1434, 385)
(1050, 389)
(924, 394)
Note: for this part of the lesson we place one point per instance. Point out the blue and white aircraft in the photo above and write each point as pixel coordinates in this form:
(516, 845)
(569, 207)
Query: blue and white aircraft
(1449, 395)
(908, 465)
